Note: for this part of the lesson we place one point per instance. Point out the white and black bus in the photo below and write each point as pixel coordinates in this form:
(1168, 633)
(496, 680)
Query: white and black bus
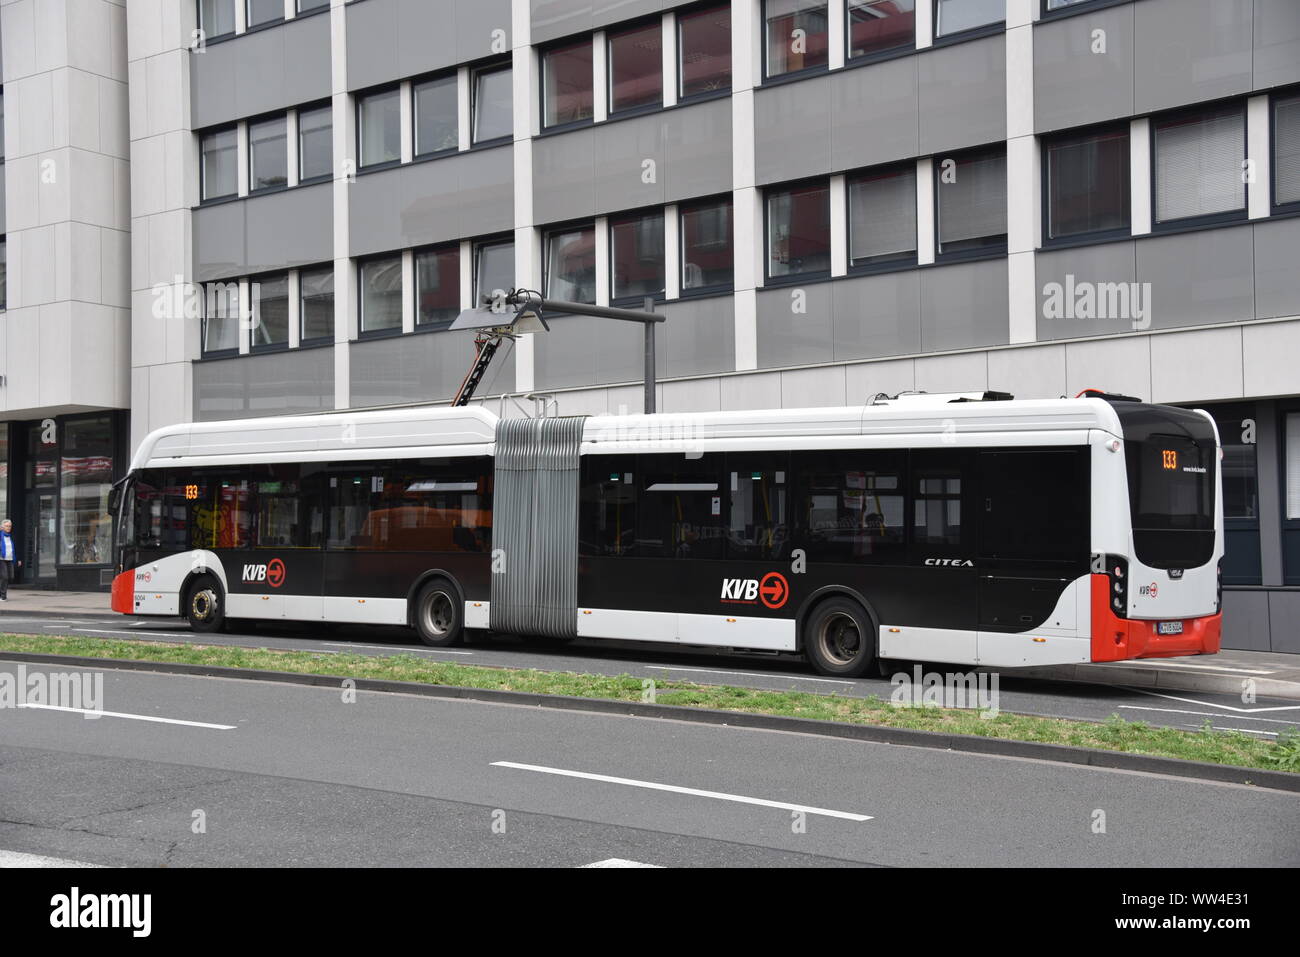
(967, 529)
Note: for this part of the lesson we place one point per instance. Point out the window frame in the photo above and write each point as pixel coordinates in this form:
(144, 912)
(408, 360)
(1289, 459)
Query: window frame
(683, 98)
(314, 108)
(563, 44)
(715, 289)
(556, 229)
(1275, 208)
(437, 325)
(891, 263)
(1290, 527)
(768, 76)
(631, 216)
(495, 66)
(253, 306)
(388, 331)
(1092, 236)
(283, 117)
(875, 56)
(1047, 14)
(440, 76)
(794, 278)
(1228, 217)
(251, 27)
(304, 340)
(991, 251)
(204, 199)
(475, 251)
(622, 29)
(970, 33)
(198, 21)
(363, 166)
(204, 351)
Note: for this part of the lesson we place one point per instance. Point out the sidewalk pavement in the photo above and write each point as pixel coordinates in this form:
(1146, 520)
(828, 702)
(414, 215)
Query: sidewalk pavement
(1275, 675)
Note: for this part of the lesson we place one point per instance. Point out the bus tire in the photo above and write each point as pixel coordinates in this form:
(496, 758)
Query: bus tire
(839, 638)
(205, 605)
(437, 614)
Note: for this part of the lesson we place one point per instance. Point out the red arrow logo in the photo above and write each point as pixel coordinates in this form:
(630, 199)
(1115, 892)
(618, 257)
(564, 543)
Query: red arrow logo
(773, 589)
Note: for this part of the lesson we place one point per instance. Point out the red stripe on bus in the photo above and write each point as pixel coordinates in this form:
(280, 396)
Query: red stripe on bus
(1119, 639)
(123, 595)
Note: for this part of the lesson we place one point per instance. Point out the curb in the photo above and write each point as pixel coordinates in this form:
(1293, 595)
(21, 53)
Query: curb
(1059, 753)
(1151, 679)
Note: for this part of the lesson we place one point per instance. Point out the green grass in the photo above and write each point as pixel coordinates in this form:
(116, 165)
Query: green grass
(1114, 734)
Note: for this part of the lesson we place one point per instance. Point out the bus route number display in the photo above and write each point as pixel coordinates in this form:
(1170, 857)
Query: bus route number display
(191, 492)
(1169, 458)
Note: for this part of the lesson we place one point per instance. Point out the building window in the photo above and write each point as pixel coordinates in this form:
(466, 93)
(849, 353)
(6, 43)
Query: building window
(379, 119)
(494, 269)
(636, 68)
(268, 157)
(567, 84)
(571, 264)
(796, 35)
(704, 51)
(1286, 151)
(1051, 5)
(264, 11)
(636, 255)
(493, 104)
(305, 6)
(1087, 180)
(972, 201)
(4, 273)
(219, 164)
(315, 143)
(437, 127)
(381, 294)
(957, 16)
(1198, 165)
(216, 18)
(882, 216)
(437, 287)
(876, 26)
(707, 245)
(86, 476)
(220, 317)
(2, 124)
(316, 304)
(270, 298)
(1293, 465)
(799, 231)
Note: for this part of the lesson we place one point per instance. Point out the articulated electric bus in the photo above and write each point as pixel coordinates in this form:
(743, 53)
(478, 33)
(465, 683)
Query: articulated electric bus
(965, 529)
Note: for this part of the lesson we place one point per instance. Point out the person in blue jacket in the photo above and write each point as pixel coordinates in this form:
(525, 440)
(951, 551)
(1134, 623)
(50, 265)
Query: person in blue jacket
(8, 557)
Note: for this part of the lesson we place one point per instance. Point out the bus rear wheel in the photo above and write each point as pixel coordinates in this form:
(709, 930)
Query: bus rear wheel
(438, 614)
(839, 639)
(205, 605)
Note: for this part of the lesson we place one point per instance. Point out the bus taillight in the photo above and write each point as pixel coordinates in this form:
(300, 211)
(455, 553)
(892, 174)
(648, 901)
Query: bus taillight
(1117, 570)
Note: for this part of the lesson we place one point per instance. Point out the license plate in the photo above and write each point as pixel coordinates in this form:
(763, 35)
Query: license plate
(1169, 628)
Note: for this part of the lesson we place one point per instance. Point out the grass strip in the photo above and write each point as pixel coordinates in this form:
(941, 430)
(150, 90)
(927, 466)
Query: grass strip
(1115, 734)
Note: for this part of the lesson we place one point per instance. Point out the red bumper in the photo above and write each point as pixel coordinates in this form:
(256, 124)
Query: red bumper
(123, 595)
(1117, 639)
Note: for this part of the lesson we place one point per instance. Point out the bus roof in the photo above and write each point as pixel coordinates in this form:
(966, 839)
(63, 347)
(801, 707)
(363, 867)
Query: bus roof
(470, 430)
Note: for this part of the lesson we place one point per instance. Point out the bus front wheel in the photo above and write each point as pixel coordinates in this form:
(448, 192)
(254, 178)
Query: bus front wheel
(438, 614)
(205, 605)
(840, 639)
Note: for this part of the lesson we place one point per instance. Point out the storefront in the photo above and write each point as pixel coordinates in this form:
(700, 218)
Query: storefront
(55, 477)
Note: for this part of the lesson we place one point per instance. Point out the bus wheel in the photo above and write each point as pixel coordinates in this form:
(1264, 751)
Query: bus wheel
(839, 638)
(205, 605)
(437, 617)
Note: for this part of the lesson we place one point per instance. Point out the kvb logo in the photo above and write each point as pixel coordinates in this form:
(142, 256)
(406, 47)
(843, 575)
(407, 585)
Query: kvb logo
(772, 590)
(272, 573)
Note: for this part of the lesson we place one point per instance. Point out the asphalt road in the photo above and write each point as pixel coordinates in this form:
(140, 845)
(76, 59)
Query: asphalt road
(295, 775)
(1264, 718)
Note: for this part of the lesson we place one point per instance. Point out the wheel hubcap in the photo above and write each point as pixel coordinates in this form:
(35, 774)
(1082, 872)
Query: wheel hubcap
(202, 604)
(840, 639)
(439, 614)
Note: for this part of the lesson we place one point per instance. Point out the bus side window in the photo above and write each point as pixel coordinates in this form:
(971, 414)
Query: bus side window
(937, 488)
(758, 494)
(607, 508)
(680, 514)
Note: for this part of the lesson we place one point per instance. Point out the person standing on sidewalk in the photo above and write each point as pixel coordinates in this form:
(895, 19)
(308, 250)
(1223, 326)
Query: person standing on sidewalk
(8, 557)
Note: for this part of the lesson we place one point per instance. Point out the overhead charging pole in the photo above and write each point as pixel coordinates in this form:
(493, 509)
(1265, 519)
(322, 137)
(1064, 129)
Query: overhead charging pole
(522, 311)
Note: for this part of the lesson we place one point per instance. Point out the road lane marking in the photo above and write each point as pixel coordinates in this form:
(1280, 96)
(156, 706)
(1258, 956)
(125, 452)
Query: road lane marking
(435, 651)
(1187, 664)
(752, 674)
(19, 859)
(620, 862)
(1272, 734)
(1225, 707)
(133, 717)
(678, 789)
(1203, 714)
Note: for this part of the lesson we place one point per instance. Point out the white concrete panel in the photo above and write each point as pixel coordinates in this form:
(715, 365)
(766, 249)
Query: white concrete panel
(51, 34)
(18, 35)
(92, 197)
(582, 402)
(755, 390)
(813, 388)
(83, 110)
(1269, 352)
(114, 135)
(1198, 365)
(1034, 373)
(22, 357)
(32, 258)
(22, 207)
(149, 332)
(91, 350)
(965, 372)
(1121, 364)
(867, 379)
(115, 279)
(55, 353)
(171, 398)
(148, 183)
(84, 261)
(166, 95)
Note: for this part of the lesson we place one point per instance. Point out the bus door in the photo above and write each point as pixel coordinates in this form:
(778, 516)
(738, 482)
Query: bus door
(1033, 507)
